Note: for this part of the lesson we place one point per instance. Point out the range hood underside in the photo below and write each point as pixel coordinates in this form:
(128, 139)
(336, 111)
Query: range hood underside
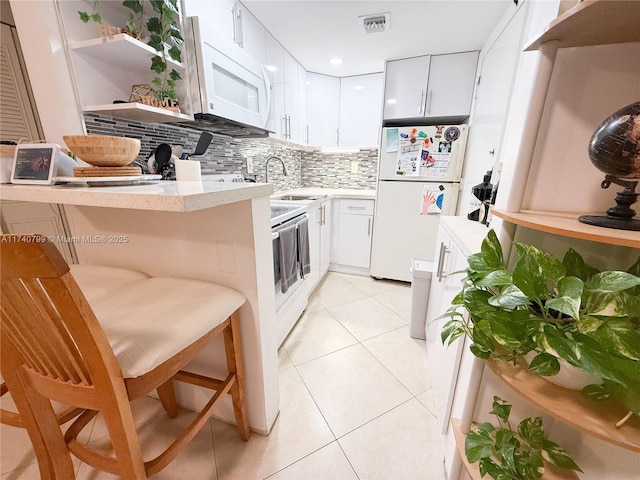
(223, 126)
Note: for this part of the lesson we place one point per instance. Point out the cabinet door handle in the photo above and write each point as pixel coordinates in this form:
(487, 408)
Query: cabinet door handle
(351, 207)
(240, 32)
(369, 227)
(289, 127)
(443, 253)
(306, 134)
(284, 127)
(421, 105)
(428, 102)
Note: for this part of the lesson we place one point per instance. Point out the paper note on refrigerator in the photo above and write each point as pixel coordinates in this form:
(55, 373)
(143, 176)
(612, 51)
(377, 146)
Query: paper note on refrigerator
(417, 156)
(432, 198)
(392, 140)
(408, 158)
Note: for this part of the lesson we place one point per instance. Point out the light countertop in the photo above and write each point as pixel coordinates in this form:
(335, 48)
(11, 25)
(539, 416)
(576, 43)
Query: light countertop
(330, 192)
(467, 234)
(168, 196)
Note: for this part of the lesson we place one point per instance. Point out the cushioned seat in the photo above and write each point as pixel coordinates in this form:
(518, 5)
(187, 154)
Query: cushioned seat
(151, 320)
(96, 338)
(97, 281)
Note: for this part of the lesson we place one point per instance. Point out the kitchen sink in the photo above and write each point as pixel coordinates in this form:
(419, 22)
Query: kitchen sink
(299, 197)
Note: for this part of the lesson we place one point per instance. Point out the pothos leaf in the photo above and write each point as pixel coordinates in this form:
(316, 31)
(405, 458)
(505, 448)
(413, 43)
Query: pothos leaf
(611, 282)
(529, 465)
(491, 251)
(596, 392)
(496, 278)
(545, 364)
(510, 296)
(620, 337)
(576, 267)
(533, 269)
(478, 444)
(569, 297)
(501, 409)
(532, 432)
(495, 471)
(558, 455)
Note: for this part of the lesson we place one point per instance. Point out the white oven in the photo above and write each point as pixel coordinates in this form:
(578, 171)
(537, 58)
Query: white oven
(291, 303)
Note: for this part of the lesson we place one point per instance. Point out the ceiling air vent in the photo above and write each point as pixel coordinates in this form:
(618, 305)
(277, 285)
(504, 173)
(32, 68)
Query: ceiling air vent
(379, 22)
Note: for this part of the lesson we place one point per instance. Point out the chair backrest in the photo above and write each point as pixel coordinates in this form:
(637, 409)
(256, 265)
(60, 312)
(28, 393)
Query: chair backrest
(48, 324)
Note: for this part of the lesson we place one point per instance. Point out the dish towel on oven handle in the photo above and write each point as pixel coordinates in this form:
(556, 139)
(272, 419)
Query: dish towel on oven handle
(303, 247)
(288, 257)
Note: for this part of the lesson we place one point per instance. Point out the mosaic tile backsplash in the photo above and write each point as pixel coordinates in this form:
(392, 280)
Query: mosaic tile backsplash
(306, 167)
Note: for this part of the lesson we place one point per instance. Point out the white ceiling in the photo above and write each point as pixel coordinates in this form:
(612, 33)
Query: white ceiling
(314, 31)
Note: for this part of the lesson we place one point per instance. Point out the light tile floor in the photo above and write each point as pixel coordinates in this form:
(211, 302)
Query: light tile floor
(355, 402)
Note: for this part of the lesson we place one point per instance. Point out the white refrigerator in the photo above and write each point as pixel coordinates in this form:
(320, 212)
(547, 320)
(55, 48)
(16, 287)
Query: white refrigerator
(418, 180)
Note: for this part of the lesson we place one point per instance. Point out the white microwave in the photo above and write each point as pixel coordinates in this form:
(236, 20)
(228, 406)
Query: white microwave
(226, 82)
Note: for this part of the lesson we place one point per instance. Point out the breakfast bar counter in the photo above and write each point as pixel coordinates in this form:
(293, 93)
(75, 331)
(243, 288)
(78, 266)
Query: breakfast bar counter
(218, 232)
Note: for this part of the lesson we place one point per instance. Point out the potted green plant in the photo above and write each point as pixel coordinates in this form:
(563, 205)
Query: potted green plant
(505, 453)
(557, 309)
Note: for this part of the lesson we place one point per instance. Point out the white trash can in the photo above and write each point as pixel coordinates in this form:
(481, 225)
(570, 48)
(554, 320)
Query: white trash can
(420, 286)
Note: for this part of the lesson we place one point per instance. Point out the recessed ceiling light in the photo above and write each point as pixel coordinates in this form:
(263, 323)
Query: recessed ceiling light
(358, 87)
(391, 101)
(336, 61)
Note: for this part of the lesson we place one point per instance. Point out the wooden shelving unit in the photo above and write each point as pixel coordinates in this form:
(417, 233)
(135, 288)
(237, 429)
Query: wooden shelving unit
(593, 22)
(551, 471)
(567, 224)
(595, 418)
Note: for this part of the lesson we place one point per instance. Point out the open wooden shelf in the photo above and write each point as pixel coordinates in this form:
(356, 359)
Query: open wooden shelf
(551, 471)
(568, 225)
(593, 22)
(595, 418)
(138, 112)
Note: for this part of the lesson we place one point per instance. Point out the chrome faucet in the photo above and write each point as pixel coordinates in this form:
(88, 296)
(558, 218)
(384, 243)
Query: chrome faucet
(266, 168)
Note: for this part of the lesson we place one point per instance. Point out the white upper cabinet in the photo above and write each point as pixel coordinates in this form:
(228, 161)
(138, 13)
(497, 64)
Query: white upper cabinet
(250, 32)
(360, 110)
(303, 127)
(405, 87)
(290, 119)
(451, 82)
(323, 109)
(232, 21)
(221, 14)
(430, 86)
(275, 70)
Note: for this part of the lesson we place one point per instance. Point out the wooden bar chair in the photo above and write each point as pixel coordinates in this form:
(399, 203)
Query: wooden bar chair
(100, 356)
(96, 282)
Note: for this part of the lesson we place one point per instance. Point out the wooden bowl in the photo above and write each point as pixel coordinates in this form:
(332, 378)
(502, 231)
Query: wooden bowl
(103, 150)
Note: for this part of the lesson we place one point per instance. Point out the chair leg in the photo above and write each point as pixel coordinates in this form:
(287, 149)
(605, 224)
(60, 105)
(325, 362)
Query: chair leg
(168, 398)
(233, 349)
(54, 459)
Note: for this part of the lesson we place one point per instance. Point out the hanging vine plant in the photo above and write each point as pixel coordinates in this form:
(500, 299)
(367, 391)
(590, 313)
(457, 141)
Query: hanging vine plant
(164, 30)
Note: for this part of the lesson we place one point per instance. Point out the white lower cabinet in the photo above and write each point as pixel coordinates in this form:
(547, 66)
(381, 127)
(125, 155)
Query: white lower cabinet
(443, 360)
(320, 219)
(38, 218)
(354, 227)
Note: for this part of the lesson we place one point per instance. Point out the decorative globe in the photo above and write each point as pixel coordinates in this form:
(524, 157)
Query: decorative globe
(615, 146)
